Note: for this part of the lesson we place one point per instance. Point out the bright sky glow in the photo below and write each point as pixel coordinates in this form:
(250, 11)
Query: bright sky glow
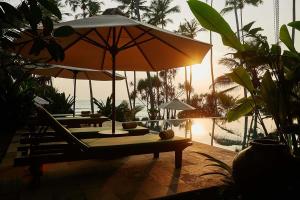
(197, 129)
(263, 15)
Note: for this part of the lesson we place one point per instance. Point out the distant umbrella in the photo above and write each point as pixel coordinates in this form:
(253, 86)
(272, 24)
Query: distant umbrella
(176, 104)
(74, 73)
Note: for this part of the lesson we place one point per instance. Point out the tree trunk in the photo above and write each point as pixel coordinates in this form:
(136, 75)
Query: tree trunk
(137, 9)
(185, 85)
(128, 93)
(294, 19)
(166, 91)
(152, 99)
(245, 91)
(237, 22)
(212, 69)
(91, 96)
(134, 90)
(158, 97)
(191, 80)
(137, 13)
(241, 19)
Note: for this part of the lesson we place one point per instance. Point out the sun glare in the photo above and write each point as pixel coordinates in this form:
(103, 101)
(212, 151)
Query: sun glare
(197, 129)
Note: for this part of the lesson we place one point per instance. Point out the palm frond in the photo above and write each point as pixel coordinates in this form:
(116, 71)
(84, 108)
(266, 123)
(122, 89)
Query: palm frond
(229, 89)
(229, 62)
(223, 81)
(219, 162)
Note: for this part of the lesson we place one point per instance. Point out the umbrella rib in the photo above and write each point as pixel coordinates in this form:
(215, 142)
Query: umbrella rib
(132, 41)
(56, 75)
(86, 39)
(73, 43)
(108, 74)
(142, 52)
(103, 39)
(105, 50)
(87, 75)
(138, 43)
(168, 44)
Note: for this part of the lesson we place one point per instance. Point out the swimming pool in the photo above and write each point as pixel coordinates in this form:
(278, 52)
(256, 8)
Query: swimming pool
(225, 135)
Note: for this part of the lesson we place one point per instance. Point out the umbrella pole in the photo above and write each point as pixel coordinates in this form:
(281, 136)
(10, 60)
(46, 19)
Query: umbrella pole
(91, 96)
(113, 92)
(74, 105)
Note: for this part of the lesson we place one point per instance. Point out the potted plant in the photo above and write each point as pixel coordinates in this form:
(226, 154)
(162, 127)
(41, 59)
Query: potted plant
(271, 78)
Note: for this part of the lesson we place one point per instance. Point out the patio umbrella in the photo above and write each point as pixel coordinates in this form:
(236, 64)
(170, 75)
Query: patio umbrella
(116, 42)
(75, 73)
(176, 104)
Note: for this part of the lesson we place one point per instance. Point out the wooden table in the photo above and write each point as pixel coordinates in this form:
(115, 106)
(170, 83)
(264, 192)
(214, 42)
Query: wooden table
(62, 115)
(75, 122)
(117, 132)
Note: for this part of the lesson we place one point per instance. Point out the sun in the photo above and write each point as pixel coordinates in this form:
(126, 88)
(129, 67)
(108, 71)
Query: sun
(197, 129)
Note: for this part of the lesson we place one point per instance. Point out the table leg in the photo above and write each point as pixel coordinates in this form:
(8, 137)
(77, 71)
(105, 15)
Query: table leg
(178, 159)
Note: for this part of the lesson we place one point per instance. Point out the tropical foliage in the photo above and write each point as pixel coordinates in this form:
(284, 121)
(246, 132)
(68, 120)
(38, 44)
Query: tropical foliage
(123, 112)
(270, 74)
(88, 8)
(189, 29)
(158, 12)
(132, 8)
(16, 91)
(58, 102)
(205, 105)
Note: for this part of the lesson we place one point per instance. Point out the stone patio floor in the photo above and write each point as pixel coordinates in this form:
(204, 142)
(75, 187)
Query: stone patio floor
(133, 177)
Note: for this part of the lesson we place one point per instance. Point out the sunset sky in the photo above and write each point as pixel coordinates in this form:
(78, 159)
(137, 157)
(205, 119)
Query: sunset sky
(263, 15)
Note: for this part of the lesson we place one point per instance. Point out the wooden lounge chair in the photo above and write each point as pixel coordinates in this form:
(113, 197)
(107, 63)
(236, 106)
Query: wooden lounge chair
(73, 148)
(76, 122)
(45, 133)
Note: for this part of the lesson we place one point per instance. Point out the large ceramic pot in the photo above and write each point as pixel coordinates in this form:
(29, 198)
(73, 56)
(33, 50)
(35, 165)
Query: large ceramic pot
(263, 169)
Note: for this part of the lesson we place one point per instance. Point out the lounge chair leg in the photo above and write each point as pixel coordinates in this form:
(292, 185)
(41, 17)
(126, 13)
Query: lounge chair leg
(178, 159)
(36, 170)
(156, 155)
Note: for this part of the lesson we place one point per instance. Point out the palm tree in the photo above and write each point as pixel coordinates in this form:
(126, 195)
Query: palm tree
(158, 12)
(157, 15)
(132, 8)
(88, 7)
(234, 5)
(189, 29)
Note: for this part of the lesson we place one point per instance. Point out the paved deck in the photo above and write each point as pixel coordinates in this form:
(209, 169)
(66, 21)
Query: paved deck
(134, 177)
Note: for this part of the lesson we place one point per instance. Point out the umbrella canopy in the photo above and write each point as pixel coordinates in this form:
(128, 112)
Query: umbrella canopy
(68, 72)
(75, 73)
(139, 46)
(176, 104)
(118, 43)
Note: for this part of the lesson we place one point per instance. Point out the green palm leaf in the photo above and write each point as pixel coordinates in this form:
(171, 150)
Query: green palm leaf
(210, 19)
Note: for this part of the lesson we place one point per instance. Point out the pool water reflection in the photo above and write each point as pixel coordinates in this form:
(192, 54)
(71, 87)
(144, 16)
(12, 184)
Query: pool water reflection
(212, 131)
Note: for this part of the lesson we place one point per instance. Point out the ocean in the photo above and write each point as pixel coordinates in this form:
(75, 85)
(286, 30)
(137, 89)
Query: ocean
(82, 105)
